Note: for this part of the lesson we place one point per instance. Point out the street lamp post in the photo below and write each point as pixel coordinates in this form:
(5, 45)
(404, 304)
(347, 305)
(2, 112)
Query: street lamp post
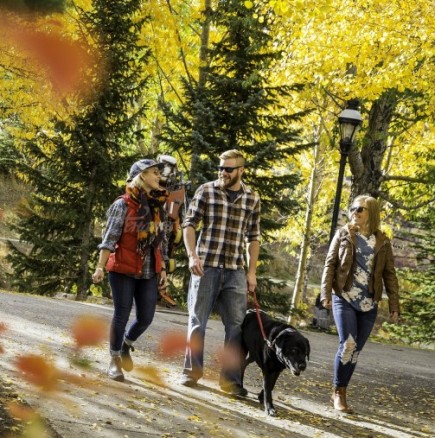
(350, 121)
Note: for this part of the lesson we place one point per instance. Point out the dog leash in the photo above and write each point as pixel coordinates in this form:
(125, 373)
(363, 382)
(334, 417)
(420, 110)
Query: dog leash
(260, 322)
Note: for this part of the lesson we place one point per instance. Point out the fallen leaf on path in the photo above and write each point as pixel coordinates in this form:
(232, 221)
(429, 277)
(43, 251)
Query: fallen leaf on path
(194, 418)
(150, 374)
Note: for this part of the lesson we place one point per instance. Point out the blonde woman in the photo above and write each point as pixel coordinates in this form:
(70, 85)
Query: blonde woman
(358, 266)
(133, 253)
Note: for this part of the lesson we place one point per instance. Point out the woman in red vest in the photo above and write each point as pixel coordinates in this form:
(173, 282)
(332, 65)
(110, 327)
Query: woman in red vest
(133, 251)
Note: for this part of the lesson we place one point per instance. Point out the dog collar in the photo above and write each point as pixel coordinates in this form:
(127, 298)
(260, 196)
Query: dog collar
(286, 330)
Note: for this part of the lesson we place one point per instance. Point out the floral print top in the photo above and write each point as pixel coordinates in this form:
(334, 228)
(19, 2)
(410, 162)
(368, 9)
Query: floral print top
(359, 296)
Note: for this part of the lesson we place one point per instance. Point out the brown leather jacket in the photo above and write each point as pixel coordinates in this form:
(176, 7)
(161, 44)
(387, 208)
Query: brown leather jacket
(340, 265)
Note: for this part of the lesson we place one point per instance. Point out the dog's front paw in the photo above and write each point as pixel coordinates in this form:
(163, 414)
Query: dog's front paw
(270, 410)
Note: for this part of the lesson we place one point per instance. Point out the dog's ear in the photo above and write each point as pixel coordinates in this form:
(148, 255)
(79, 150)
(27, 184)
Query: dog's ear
(308, 349)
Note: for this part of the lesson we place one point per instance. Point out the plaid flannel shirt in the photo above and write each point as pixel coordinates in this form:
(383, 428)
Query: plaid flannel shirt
(226, 226)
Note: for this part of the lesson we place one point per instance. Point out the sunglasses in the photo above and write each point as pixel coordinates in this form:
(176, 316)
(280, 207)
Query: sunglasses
(228, 169)
(357, 209)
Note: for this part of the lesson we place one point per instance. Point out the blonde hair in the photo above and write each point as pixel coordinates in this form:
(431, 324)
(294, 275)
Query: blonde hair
(373, 210)
(137, 182)
(233, 153)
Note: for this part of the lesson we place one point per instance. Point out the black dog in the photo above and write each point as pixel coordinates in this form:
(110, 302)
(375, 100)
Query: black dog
(285, 348)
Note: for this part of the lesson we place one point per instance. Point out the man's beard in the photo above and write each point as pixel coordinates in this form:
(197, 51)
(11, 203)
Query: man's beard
(228, 182)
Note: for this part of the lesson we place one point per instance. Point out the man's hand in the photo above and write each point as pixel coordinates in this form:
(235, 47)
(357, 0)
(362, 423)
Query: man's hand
(251, 280)
(196, 265)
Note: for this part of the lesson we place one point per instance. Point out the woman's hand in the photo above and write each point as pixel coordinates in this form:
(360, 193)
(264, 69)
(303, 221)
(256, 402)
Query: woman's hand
(163, 280)
(327, 304)
(98, 275)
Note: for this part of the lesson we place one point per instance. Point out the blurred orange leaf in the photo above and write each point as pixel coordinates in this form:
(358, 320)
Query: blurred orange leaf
(3, 327)
(229, 357)
(89, 330)
(21, 412)
(172, 343)
(38, 371)
(63, 59)
(2, 350)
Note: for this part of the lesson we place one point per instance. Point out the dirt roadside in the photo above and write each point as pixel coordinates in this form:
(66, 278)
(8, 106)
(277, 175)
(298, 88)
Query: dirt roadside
(11, 426)
(392, 394)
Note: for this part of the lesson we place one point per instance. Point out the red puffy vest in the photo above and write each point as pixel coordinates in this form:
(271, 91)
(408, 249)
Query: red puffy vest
(126, 259)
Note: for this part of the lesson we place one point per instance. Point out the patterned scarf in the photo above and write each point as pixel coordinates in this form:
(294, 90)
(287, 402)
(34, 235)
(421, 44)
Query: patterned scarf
(148, 218)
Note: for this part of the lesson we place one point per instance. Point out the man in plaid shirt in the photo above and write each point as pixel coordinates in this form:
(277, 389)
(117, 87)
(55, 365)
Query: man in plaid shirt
(229, 212)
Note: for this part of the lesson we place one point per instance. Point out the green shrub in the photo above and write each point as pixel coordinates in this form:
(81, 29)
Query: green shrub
(417, 324)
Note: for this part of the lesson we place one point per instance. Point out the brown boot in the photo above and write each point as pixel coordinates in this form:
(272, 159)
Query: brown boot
(115, 370)
(339, 397)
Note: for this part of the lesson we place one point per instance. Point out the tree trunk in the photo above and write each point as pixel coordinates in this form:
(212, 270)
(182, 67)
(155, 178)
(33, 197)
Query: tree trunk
(203, 61)
(205, 36)
(366, 166)
(142, 146)
(83, 280)
(311, 199)
(154, 141)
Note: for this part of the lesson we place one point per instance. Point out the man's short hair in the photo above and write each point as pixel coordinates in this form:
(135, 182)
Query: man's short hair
(233, 153)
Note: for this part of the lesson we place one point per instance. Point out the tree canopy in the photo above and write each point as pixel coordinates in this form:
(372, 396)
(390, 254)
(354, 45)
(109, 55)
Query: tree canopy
(88, 85)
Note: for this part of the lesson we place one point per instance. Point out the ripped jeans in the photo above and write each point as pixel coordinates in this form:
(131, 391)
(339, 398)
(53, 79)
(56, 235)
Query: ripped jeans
(354, 328)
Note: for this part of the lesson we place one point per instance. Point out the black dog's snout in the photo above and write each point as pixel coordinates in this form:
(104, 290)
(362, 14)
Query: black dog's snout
(302, 366)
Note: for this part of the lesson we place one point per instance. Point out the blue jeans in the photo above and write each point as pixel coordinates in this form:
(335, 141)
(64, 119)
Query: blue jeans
(125, 290)
(354, 328)
(227, 289)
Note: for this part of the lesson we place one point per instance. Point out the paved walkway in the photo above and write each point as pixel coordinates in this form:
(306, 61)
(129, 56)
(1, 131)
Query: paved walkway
(392, 392)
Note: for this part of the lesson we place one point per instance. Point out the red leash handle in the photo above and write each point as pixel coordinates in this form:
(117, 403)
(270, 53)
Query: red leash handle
(260, 322)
